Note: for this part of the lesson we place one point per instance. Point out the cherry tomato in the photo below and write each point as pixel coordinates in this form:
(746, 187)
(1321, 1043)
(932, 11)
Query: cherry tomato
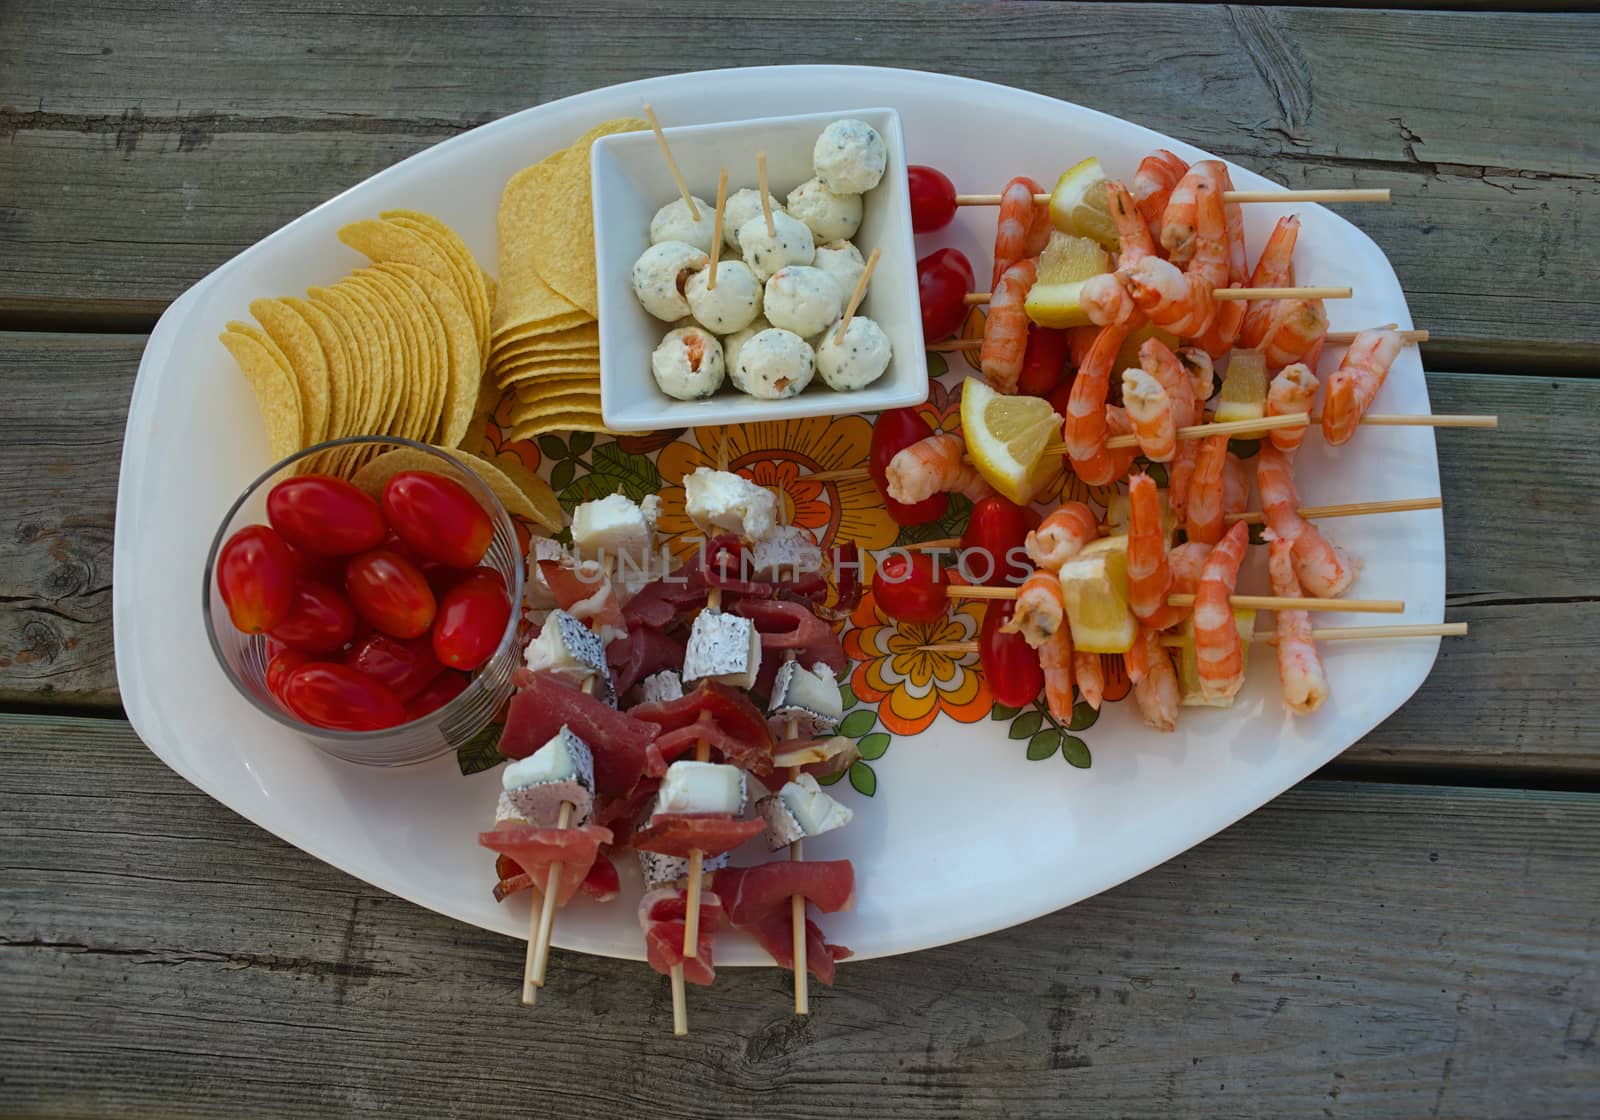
(340, 698)
(405, 666)
(279, 668)
(1044, 362)
(319, 622)
(942, 291)
(996, 530)
(933, 198)
(390, 592)
(1010, 665)
(437, 518)
(439, 692)
(324, 515)
(910, 587)
(255, 577)
(892, 433)
(472, 619)
(323, 569)
(1061, 394)
(956, 259)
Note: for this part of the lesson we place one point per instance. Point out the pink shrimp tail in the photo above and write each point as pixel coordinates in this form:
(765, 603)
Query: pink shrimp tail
(1218, 652)
(1005, 332)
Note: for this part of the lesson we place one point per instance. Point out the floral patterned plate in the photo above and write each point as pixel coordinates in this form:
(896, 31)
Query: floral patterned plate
(969, 817)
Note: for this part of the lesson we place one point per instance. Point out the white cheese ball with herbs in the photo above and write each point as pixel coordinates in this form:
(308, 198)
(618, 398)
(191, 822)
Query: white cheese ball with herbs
(735, 342)
(661, 274)
(802, 299)
(688, 364)
(830, 217)
(856, 360)
(849, 156)
(774, 364)
(842, 261)
(731, 304)
(673, 223)
(741, 206)
(789, 243)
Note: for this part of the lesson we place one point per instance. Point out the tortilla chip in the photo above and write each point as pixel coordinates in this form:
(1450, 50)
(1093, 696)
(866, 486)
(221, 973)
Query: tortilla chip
(298, 343)
(536, 503)
(464, 370)
(273, 385)
(469, 277)
(558, 422)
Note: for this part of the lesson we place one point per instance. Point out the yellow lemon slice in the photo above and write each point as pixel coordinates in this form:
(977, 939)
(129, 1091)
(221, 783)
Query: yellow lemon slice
(1244, 389)
(1007, 436)
(1065, 264)
(1078, 204)
(1094, 587)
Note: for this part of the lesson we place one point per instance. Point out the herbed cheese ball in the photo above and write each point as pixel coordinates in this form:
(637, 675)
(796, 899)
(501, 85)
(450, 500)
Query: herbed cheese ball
(790, 243)
(732, 304)
(688, 364)
(673, 223)
(741, 206)
(856, 360)
(775, 364)
(831, 217)
(802, 299)
(844, 262)
(735, 342)
(661, 274)
(849, 156)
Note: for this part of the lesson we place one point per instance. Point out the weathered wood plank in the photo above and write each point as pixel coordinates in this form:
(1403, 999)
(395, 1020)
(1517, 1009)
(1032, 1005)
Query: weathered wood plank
(1494, 171)
(1369, 950)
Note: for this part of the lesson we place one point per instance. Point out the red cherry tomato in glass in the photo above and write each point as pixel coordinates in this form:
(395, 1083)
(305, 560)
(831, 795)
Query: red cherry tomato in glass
(319, 622)
(472, 619)
(954, 259)
(1044, 362)
(404, 666)
(892, 433)
(933, 198)
(324, 515)
(279, 668)
(390, 592)
(439, 692)
(340, 698)
(942, 291)
(255, 577)
(437, 518)
(909, 587)
(1010, 665)
(991, 546)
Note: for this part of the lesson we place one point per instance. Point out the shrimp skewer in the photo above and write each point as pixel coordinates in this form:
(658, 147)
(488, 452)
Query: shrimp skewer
(1179, 220)
(1305, 684)
(1056, 659)
(1210, 258)
(1155, 682)
(1061, 536)
(1202, 372)
(1356, 382)
(1158, 173)
(1024, 225)
(1005, 333)
(1158, 360)
(1091, 677)
(1149, 577)
(1040, 609)
(1151, 411)
(1274, 269)
(933, 466)
(1294, 333)
(1324, 569)
(1292, 390)
(1084, 429)
(1218, 653)
(1204, 509)
(1103, 297)
(1178, 301)
(1233, 217)
(1235, 487)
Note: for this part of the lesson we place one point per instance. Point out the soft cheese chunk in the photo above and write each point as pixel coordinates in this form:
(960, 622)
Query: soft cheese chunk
(665, 685)
(809, 697)
(612, 526)
(561, 770)
(568, 647)
(723, 647)
(723, 502)
(702, 787)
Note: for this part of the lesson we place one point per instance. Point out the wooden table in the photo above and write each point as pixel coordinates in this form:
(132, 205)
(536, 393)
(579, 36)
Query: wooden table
(1416, 930)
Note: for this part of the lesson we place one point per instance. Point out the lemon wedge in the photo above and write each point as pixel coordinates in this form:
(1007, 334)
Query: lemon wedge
(1094, 588)
(1244, 389)
(1007, 436)
(1078, 205)
(1190, 694)
(1063, 267)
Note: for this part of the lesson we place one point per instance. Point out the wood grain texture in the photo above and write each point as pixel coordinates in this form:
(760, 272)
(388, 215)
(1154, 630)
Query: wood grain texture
(1363, 950)
(1494, 168)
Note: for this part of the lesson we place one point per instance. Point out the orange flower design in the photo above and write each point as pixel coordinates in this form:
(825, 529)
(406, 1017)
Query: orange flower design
(912, 685)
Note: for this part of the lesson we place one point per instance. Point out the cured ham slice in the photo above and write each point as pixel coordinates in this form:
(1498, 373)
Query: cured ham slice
(643, 651)
(716, 713)
(775, 934)
(661, 917)
(545, 701)
(537, 850)
(619, 814)
(602, 884)
(660, 603)
(587, 595)
(786, 625)
(678, 834)
(752, 894)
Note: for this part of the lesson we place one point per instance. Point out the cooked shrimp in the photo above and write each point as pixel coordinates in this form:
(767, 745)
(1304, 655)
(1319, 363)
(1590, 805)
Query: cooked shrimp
(933, 466)
(1133, 236)
(1056, 659)
(1024, 225)
(1296, 326)
(1170, 298)
(1151, 411)
(1218, 654)
(1179, 221)
(1149, 577)
(1235, 486)
(1158, 173)
(1210, 257)
(1158, 360)
(1202, 372)
(1324, 569)
(1103, 297)
(1061, 536)
(1084, 429)
(1356, 382)
(1186, 563)
(1274, 269)
(1219, 337)
(1121, 460)
(1105, 300)
(1005, 332)
(1180, 473)
(1292, 390)
(1305, 685)
(1091, 677)
(1233, 215)
(1155, 683)
(1204, 509)
(1039, 610)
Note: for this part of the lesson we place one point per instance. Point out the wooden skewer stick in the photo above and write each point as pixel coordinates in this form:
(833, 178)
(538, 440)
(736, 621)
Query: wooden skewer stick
(539, 934)
(858, 295)
(1251, 602)
(672, 164)
(1349, 509)
(1332, 338)
(1225, 294)
(702, 753)
(716, 228)
(766, 202)
(1330, 194)
(1322, 634)
(797, 902)
(1203, 431)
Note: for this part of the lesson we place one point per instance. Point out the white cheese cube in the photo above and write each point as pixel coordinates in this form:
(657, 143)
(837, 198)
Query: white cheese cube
(702, 787)
(786, 553)
(650, 510)
(610, 527)
(661, 870)
(561, 770)
(506, 810)
(568, 647)
(810, 697)
(723, 502)
(665, 685)
(723, 647)
(815, 811)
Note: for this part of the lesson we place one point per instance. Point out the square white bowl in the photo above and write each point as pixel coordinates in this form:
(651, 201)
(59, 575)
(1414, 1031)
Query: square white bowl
(632, 181)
